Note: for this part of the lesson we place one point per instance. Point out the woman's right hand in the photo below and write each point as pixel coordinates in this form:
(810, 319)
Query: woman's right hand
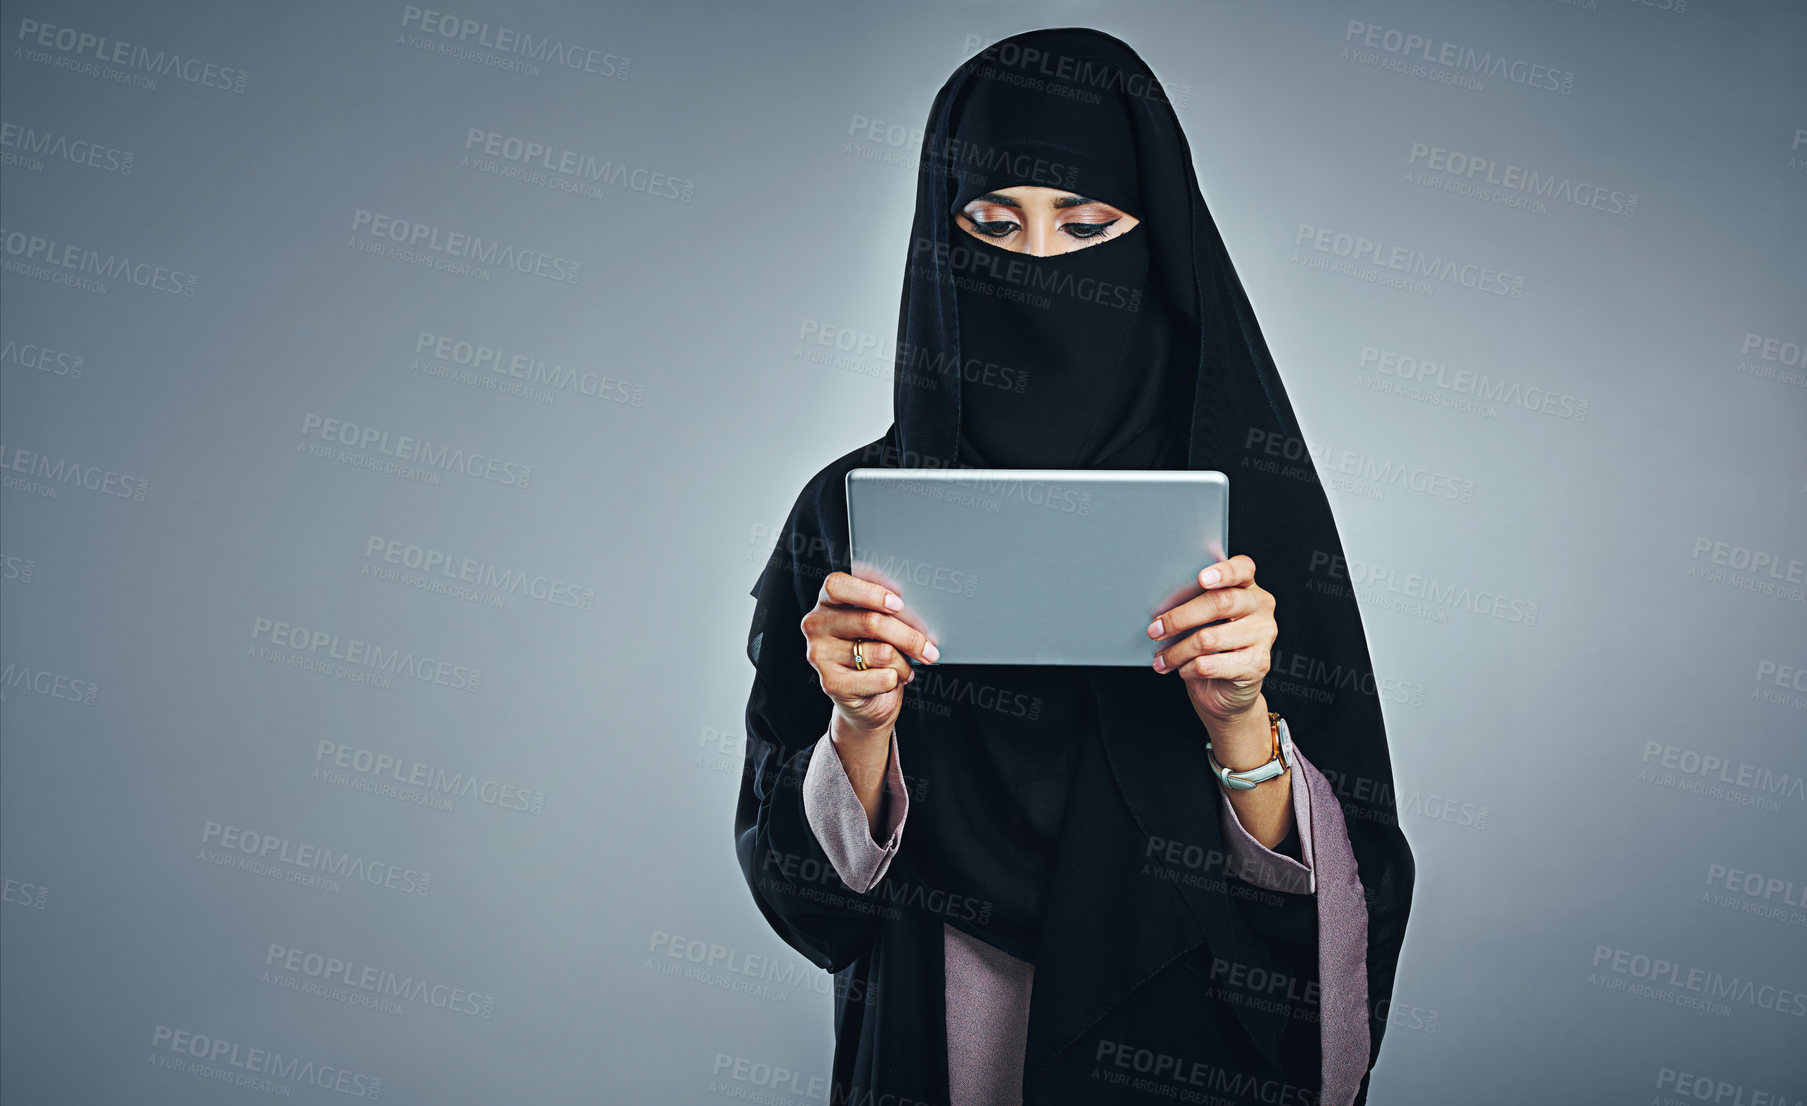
(850, 609)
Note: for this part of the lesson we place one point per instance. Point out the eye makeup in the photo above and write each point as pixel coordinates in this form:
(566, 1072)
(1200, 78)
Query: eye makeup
(1000, 228)
(1090, 230)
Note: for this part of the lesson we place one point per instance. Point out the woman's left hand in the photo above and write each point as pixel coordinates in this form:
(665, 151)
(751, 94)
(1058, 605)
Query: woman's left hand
(1225, 657)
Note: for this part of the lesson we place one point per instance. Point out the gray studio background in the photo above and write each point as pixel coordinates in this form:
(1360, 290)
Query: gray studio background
(254, 449)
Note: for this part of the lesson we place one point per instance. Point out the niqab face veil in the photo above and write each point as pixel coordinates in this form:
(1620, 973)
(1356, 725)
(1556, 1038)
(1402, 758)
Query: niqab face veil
(1090, 386)
(1138, 352)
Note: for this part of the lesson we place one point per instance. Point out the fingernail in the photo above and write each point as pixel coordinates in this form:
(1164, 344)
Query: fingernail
(1154, 628)
(1160, 663)
(930, 653)
(892, 602)
(1209, 576)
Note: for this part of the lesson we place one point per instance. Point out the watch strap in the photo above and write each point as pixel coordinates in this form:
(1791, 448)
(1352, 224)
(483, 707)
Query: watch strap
(1247, 779)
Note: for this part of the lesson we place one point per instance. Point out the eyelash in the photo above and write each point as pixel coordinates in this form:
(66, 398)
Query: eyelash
(999, 228)
(1093, 230)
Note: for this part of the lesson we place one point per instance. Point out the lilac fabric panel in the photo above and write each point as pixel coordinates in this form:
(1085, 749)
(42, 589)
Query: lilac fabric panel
(987, 1021)
(1342, 942)
(839, 821)
(1253, 862)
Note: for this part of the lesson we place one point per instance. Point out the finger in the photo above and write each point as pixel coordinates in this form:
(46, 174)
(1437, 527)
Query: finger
(1235, 572)
(1237, 634)
(842, 587)
(842, 682)
(850, 623)
(1224, 602)
(879, 654)
(1244, 666)
(832, 658)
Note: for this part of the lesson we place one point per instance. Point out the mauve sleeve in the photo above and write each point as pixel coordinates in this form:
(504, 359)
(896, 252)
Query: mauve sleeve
(1326, 869)
(1272, 870)
(839, 822)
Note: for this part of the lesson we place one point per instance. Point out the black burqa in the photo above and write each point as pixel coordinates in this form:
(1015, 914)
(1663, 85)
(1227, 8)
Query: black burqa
(1040, 794)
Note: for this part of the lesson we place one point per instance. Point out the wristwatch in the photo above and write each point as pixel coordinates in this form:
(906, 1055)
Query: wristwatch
(1283, 759)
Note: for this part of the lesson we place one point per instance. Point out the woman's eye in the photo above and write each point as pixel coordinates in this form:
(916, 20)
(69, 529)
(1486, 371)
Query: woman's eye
(1088, 230)
(996, 228)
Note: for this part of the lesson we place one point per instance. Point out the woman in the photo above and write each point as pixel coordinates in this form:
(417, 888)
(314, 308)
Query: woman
(1080, 908)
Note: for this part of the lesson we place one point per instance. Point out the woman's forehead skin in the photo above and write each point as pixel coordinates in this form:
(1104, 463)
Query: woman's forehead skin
(1033, 195)
(1063, 199)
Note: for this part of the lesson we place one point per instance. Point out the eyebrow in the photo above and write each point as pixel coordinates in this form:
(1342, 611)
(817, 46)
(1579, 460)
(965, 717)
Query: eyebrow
(1010, 201)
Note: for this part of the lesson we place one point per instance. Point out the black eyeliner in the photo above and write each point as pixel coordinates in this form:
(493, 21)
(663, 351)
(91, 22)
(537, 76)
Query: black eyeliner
(1100, 232)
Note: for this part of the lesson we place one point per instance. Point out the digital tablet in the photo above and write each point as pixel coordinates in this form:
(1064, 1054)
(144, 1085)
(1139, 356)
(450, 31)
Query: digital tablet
(1037, 566)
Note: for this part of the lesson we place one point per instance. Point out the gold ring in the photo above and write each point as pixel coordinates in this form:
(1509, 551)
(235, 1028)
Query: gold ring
(859, 658)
